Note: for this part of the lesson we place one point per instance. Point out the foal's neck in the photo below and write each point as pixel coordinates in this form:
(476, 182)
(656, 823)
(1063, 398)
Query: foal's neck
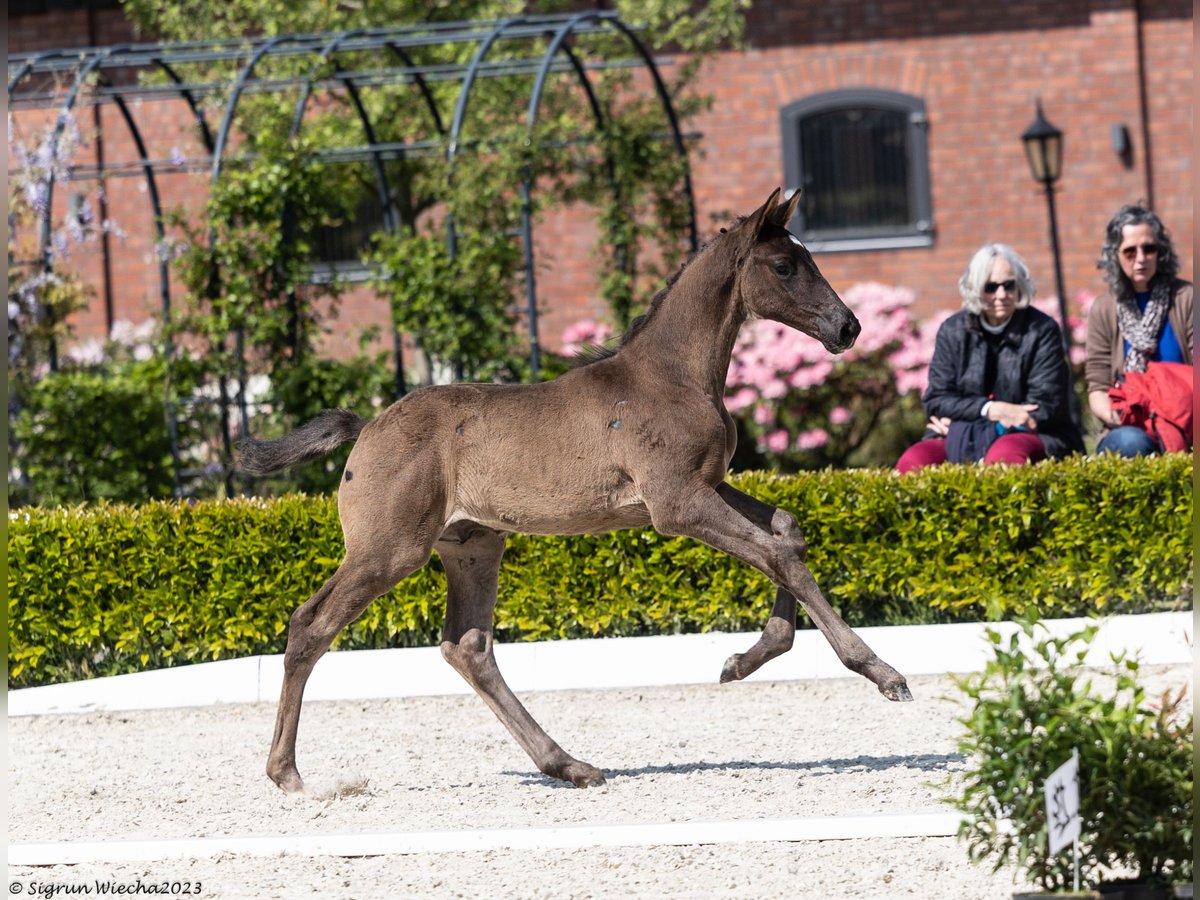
(692, 332)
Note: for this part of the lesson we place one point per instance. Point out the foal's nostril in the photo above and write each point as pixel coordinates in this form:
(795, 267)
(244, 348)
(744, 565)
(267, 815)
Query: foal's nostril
(850, 331)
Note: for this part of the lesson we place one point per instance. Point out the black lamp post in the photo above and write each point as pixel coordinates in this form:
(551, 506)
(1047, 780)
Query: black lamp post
(1043, 149)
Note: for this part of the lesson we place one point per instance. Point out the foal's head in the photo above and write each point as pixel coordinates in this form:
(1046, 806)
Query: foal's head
(778, 280)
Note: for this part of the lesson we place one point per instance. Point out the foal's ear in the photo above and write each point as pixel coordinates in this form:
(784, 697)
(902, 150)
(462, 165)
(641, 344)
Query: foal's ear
(783, 214)
(756, 221)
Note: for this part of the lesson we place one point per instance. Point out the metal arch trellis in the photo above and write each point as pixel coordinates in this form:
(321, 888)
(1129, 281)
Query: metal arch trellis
(559, 43)
(391, 219)
(76, 67)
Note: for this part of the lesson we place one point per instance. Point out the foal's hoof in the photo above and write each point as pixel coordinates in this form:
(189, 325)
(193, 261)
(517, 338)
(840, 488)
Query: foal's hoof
(288, 781)
(586, 776)
(896, 691)
(729, 672)
(579, 774)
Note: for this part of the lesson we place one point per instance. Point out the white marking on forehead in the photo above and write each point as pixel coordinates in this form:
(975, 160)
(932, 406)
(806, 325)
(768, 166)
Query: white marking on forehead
(796, 240)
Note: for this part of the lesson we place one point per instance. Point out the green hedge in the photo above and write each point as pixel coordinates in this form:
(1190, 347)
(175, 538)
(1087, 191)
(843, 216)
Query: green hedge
(107, 589)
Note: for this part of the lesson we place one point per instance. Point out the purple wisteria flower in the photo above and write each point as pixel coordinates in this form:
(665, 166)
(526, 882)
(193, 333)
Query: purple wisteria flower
(37, 195)
(169, 248)
(86, 353)
(60, 244)
(28, 290)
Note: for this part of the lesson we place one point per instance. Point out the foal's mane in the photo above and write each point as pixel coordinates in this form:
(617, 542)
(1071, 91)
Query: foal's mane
(594, 353)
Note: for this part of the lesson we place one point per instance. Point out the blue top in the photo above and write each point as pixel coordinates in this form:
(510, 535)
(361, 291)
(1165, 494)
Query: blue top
(1168, 345)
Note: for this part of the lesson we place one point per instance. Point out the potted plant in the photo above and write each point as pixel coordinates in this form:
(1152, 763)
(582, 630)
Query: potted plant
(1028, 710)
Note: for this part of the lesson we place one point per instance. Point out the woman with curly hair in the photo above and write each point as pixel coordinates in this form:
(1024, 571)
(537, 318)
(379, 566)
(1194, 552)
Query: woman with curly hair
(1146, 316)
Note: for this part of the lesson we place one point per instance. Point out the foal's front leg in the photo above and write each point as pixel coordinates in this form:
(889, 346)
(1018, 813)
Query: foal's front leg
(472, 566)
(699, 512)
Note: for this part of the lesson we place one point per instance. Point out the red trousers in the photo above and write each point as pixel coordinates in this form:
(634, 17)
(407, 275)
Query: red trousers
(1015, 448)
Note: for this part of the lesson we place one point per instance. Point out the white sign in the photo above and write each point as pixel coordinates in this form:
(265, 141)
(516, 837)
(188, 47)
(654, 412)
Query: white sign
(1062, 804)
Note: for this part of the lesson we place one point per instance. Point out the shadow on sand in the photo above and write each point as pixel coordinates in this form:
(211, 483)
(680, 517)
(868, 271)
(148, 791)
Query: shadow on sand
(924, 762)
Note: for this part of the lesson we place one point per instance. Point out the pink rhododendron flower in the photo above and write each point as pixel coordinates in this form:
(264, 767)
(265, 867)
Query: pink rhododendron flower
(740, 399)
(811, 376)
(883, 313)
(774, 389)
(777, 441)
(794, 395)
(907, 381)
(580, 334)
(1084, 300)
(812, 439)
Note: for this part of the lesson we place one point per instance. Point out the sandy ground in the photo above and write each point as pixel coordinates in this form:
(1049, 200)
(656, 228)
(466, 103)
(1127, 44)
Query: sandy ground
(706, 752)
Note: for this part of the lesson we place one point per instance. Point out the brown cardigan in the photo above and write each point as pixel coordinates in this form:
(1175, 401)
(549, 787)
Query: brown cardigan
(1106, 346)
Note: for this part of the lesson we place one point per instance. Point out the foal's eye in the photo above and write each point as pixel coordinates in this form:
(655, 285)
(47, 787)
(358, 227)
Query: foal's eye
(784, 268)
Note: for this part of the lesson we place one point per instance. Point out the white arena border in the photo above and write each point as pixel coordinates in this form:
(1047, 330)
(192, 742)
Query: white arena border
(566, 837)
(600, 663)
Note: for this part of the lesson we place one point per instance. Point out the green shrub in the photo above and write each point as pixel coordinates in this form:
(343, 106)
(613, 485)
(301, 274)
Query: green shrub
(1029, 712)
(1078, 535)
(107, 589)
(86, 435)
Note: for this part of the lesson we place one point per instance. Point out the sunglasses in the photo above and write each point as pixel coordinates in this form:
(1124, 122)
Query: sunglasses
(990, 287)
(1147, 250)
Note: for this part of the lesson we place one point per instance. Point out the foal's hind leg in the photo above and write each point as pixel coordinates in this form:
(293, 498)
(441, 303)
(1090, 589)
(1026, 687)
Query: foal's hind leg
(780, 630)
(314, 625)
(472, 566)
(776, 639)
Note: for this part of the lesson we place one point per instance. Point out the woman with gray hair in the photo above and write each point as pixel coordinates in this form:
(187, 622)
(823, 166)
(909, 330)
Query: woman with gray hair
(998, 383)
(1145, 317)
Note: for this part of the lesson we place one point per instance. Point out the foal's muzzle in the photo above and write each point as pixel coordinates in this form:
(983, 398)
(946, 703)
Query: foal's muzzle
(845, 335)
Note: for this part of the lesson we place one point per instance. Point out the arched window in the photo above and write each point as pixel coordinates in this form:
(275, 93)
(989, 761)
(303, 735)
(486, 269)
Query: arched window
(861, 158)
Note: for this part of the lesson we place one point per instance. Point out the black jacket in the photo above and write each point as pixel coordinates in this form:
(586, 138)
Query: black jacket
(1023, 364)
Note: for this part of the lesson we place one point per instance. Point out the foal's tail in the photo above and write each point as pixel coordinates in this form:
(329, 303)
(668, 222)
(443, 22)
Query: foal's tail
(318, 438)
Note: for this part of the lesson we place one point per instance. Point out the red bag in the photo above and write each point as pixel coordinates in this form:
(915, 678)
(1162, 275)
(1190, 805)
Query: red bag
(1159, 401)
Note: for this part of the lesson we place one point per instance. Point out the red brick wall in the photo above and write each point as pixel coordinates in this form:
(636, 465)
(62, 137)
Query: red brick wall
(978, 71)
(68, 28)
(1170, 80)
(979, 80)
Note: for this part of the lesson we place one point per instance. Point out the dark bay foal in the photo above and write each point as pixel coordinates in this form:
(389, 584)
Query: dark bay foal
(640, 437)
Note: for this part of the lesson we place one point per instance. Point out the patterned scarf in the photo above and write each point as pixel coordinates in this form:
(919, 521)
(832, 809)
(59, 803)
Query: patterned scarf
(1142, 329)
